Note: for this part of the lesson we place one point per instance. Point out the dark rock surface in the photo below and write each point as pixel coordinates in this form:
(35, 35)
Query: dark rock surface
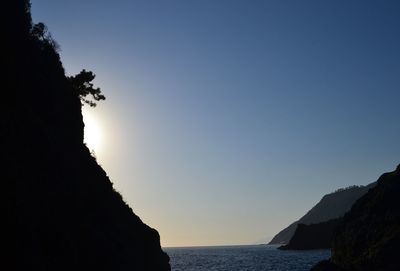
(68, 216)
(369, 235)
(313, 236)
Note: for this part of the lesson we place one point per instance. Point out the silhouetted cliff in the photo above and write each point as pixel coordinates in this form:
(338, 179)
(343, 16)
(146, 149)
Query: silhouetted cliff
(68, 216)
(313, 236)
(369, 235)
(331, 206)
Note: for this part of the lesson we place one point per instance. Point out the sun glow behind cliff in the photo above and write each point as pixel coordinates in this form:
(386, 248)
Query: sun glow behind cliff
(221, 119)
(92, 132)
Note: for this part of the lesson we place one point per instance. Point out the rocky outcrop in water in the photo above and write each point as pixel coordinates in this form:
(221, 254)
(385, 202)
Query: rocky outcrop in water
(313, 236)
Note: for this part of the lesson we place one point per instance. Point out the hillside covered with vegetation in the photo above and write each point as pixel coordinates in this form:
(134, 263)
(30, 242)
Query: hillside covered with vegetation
(368, 237)
(68, 216)
(331, 206)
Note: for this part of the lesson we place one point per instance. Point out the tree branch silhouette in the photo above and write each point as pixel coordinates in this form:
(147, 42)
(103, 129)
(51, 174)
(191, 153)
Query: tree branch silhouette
(81, 83)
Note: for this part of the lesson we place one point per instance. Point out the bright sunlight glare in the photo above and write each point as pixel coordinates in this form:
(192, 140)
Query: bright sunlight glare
(93, 133)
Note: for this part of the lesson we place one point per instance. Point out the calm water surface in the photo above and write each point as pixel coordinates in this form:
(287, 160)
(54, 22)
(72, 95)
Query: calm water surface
(238, 258)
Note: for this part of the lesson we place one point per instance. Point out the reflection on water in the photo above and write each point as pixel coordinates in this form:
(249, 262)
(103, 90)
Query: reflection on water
(249, 258)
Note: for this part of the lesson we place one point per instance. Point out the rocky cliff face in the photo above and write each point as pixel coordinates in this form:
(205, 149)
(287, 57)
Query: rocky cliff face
(313, 236)
(68, 216)
(369, 235)
(331, 206)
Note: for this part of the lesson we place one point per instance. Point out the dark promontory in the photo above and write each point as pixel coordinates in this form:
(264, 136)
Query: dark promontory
(313, 236)
(68, 216)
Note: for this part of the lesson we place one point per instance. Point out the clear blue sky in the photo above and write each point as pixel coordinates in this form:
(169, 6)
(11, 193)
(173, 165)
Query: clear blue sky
(227, 120)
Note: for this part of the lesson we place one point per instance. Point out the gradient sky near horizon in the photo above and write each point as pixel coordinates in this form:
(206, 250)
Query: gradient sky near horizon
(227, 120)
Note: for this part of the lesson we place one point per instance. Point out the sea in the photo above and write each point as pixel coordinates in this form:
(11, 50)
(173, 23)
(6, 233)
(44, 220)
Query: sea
(243, 258)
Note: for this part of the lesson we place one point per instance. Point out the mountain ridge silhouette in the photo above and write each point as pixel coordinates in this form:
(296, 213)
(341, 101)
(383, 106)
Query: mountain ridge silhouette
(331, 206)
